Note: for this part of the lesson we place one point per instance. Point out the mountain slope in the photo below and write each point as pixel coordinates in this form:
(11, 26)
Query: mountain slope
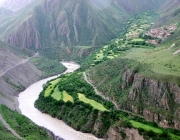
(16, 73)
(132, 6)
(66, 23)
(70, 23)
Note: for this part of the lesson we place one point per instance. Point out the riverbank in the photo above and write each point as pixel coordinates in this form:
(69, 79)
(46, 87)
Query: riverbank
(59, 128)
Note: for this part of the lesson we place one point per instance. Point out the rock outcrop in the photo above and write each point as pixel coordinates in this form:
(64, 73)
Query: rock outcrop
(129, 134)
(26, 35)
(156, 100)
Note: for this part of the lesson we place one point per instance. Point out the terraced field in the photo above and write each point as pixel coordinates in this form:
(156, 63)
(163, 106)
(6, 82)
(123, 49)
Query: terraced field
(93, 103)
(51, 86)
(52, 90)
(135, 27)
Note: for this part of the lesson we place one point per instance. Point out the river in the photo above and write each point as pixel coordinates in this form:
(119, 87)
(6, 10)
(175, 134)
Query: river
(59, 128)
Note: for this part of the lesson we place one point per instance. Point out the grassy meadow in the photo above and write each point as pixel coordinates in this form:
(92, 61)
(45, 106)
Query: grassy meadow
(93, 103)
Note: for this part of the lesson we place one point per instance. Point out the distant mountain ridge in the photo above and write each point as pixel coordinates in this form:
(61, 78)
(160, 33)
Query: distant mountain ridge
(70, 23)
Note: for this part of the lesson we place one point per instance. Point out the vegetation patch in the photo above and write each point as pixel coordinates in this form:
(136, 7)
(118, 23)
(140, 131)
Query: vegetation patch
(93, 103)
(48, 67)
(5, 134)
(51, 87)
(146, 127)
(22, 125)
(67, 97)
(57, 94)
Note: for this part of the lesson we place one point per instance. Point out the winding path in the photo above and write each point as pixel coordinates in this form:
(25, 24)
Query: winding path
(1, 118)
(9, 128)
(104, 97)
(98, 92)
(20, 63)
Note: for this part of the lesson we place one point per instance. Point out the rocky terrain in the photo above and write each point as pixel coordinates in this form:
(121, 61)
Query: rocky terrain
(156, 100)
(72, 29)
(16, 73)
(70, 23)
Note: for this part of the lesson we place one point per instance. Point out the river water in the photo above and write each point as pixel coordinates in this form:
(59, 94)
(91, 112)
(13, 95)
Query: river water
(59, 128)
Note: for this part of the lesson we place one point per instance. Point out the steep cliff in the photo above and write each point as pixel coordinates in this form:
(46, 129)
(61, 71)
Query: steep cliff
(156, 100)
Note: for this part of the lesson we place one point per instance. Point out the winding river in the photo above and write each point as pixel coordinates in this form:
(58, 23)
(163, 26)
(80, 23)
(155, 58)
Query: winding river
(59, 128)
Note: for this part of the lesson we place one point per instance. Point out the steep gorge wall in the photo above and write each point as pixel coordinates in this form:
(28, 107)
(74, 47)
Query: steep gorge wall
(26, 35)
(64, 23)
(70, 23)
(156, 100)
(15, 81)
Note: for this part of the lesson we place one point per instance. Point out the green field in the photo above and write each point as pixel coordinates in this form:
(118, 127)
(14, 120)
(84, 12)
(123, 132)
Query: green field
(57, 94)
(93, 103)
(161, 60)
(174, 137)
(51, 87)
(67, 97)
(145, 126)
(137, 40)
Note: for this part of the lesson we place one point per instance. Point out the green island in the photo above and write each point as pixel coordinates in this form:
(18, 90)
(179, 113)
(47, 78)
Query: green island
(66, 98)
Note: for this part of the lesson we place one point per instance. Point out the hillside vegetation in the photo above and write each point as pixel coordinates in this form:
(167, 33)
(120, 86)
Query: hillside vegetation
(73, 100)
(48, 67)
(22, 125)
(6, 134)
(140, 77)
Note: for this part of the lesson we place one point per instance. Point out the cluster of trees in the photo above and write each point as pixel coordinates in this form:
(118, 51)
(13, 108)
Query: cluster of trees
(78, 115)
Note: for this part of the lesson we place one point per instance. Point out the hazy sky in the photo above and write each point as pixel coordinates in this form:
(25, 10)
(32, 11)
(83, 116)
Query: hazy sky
(1, 1)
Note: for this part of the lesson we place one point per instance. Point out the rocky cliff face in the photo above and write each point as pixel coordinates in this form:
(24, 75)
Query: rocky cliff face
(26, 35)
(15, 75)
(130, 134)
(64, 23)
(156, 100)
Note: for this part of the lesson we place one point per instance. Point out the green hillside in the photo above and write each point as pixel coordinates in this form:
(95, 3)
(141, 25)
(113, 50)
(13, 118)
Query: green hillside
(22, 125)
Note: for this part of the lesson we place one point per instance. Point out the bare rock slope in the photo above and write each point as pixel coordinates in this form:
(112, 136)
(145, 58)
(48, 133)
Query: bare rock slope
(16, 74)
